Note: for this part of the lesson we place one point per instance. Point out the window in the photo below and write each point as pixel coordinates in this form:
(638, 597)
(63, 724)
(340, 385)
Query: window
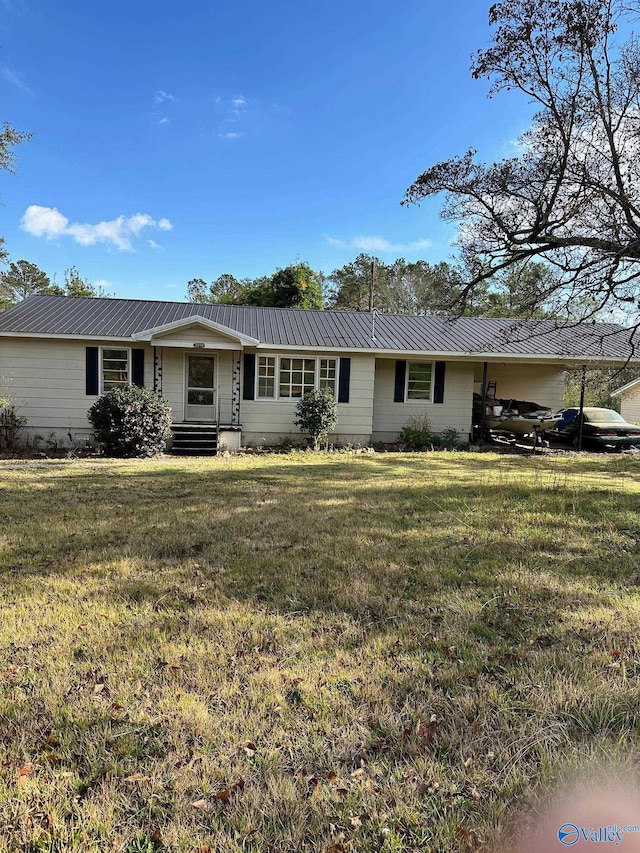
(328, 374)
(267, 377)
(419, 380)
(116, 368)
(295, 376)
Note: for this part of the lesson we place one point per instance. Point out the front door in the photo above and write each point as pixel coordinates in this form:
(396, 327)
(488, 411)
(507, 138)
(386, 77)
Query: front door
(200, 403)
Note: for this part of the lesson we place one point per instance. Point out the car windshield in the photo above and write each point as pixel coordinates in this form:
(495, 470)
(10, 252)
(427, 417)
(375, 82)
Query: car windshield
(604, 416)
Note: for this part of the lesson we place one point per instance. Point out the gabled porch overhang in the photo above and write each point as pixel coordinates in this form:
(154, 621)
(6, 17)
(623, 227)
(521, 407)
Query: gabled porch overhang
(184, 333)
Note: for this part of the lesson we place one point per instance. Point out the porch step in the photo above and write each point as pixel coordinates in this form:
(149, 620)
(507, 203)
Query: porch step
(194, 440)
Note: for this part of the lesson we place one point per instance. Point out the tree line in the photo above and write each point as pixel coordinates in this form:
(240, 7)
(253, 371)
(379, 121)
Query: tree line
(400, 287)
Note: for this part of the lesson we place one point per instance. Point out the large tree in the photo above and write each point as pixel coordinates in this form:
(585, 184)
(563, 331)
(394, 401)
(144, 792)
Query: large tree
(9, 138)
(295, 286)
(418, 287)
(22, 279)
(571, 199)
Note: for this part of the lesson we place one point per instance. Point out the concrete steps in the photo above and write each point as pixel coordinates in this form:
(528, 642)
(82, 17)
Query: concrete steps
(194, 440)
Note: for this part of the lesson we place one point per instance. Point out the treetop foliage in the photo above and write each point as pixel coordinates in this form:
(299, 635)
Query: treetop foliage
(295, 286)
(571, 199)
(23, 279)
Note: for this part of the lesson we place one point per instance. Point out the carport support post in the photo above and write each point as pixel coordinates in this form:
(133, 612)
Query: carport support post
(583, 385)
(485, 372)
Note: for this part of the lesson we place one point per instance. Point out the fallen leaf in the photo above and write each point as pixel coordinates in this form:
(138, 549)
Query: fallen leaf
(427, 731)
(203, 805)
(354, 820)
(468, 762)
(225, 795)
(137, 777)
(312, 784)
(250, 749)
(616, 654)
(26, 770)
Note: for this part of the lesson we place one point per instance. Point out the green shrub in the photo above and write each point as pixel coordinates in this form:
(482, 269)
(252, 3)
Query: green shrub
(131, 421)
(448, 439)
(317, 414)
(416, 434)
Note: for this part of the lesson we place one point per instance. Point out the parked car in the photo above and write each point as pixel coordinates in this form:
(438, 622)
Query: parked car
(603, 429)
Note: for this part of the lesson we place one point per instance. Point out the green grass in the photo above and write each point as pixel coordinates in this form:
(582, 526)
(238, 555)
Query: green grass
(310, 652)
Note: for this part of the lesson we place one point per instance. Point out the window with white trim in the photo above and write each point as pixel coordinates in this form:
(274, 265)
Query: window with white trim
(419, 380)
(266, 377)
(115, 368)
(295, 376)
(328, 374)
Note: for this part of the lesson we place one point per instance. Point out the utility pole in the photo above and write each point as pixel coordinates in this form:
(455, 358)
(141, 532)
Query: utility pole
(372, 284)
(583, 385)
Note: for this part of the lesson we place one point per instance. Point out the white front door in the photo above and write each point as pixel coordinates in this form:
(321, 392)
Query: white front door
(200, 401)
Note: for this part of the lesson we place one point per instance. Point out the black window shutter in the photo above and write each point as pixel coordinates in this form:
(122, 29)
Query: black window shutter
(137, 367)
(343, 380)
(401, 375)
(92, 371)
(249, 386)
(438, 382)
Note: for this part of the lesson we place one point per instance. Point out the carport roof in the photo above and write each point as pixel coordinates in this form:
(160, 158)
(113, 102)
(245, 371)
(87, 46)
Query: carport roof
(123, 319)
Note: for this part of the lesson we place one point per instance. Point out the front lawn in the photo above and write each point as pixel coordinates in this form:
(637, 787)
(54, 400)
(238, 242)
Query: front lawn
(311, 652)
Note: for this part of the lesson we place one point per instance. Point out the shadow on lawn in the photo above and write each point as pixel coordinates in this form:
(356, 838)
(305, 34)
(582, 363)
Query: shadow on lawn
(378, 540)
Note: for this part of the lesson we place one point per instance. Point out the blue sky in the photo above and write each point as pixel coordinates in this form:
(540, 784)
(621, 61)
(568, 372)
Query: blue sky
(181, 140)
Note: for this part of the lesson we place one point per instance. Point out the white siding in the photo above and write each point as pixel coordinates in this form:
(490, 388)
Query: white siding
(47, 381)
(265, 421)
(630, 405)
(455, 411)
(174, 375)
(538, 383)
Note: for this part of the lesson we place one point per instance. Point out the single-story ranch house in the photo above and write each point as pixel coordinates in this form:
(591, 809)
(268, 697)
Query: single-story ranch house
(243, 368)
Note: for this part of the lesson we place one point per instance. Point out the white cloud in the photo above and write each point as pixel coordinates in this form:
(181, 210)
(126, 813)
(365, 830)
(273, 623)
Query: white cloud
(161, 97)
(231, 135)
(375, 243)
(49, 223)
(164, 120)
(14, 78)
(238, 102)
(155, 245)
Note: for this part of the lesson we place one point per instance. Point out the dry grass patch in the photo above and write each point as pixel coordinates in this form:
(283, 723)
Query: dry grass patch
(290, 653)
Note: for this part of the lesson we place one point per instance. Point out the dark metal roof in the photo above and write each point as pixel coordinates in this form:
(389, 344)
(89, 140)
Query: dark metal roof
(281, 327)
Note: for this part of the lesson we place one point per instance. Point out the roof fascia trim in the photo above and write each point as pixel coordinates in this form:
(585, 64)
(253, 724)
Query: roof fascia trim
(626, 387)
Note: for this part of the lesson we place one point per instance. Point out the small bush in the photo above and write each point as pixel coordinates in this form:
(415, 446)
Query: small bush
(448, 439)
(131, 422)
(317, 414)
(11, 423)
(416, 434)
